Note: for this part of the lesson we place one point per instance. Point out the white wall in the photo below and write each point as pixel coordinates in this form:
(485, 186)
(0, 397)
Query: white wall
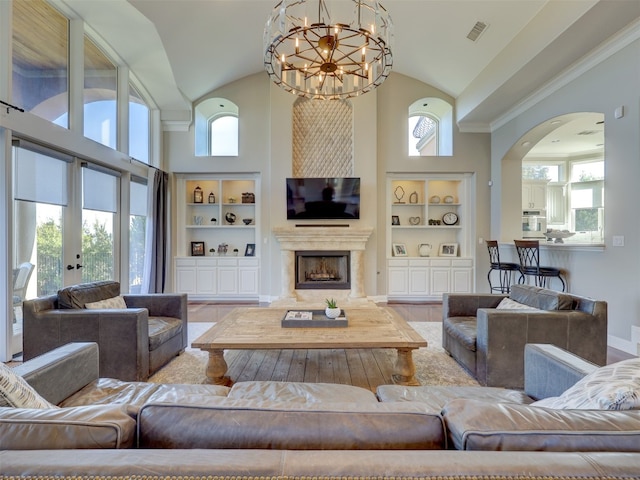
(610, 274)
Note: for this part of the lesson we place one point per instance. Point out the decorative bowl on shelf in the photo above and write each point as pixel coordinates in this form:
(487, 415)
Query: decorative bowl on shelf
(434, 199)
(448, 199)
(247, 221)
(558, 236)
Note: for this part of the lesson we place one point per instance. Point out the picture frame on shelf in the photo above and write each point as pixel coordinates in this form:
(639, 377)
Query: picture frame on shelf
(395, 220)
(399, 250)
(197, 249)
(448, 250)
(250, 250)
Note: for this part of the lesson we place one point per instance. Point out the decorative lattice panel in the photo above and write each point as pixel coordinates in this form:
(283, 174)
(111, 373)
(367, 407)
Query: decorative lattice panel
(322, 138)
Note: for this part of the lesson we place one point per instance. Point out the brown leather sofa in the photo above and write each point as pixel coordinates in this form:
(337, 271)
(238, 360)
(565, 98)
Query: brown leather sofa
(134, 342)
(489, 342)
(305, 431)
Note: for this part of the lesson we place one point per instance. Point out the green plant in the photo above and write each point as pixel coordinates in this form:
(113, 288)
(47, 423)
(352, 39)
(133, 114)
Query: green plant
(331, 303)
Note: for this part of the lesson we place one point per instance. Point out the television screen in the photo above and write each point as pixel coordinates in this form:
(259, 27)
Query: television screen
(323, 198)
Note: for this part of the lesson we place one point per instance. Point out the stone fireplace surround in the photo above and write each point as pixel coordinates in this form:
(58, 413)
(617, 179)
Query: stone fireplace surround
(326, 238)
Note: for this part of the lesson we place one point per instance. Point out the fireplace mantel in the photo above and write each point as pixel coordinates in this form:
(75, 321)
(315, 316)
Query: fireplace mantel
(329, 238)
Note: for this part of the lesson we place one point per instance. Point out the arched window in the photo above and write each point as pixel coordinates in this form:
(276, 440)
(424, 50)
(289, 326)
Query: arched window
(216, 128)
(223, 133)
(430, 128)
(423, 135)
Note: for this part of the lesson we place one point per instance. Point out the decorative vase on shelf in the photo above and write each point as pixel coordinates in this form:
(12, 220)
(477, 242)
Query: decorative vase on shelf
(332, 310)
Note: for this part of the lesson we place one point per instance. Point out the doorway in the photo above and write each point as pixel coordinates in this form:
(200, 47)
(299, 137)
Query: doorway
(65, 221)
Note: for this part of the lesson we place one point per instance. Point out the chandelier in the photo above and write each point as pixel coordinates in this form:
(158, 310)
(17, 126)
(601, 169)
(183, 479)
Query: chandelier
(309, 53)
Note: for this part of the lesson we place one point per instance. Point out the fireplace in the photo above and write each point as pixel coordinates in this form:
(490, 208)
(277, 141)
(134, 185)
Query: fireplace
(322, 270)
(322, 238)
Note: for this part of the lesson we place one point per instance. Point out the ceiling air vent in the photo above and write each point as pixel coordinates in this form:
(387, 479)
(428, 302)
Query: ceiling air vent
(476, 31)
(588, 132)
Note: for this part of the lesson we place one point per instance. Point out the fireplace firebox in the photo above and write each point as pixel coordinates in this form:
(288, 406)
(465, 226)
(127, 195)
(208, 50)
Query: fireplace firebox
(323, 270)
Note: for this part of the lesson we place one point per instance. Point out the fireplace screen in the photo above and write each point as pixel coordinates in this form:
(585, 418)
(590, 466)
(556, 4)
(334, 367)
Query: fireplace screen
(322, 270)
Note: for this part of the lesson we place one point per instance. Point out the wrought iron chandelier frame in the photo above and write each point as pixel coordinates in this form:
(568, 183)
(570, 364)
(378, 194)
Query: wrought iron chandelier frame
(324, 59)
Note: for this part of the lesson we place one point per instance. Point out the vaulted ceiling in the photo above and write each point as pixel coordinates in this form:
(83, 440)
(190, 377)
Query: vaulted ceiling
(183, 49)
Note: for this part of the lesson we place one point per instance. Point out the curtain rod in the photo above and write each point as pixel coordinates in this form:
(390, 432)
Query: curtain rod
(145, 164)
(8, 105)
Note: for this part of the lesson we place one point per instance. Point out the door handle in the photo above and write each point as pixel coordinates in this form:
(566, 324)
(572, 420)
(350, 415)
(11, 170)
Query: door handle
(78, 266)
(70, 267)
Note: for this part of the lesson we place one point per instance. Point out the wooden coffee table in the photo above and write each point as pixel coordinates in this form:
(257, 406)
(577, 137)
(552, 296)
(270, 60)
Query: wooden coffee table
(259, 328)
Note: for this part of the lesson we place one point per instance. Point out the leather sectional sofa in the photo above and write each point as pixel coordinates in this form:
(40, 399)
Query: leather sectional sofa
(288, 430)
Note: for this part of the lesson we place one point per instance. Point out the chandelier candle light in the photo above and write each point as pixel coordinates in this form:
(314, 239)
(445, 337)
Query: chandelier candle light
(308, 53)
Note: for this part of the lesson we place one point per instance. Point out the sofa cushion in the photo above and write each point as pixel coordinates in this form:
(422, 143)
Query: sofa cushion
(612, 387)
(162, 329)
(239, 423)
(508, 304)
(16, 392)
(301, 392)
(104, 426)
(482, 425)
(437, 397)
(541, 298)
(105, 391)
(463, 329)
(76, 296)
(116, 302)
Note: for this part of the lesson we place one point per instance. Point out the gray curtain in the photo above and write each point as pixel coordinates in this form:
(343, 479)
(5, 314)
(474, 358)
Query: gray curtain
(155, 262)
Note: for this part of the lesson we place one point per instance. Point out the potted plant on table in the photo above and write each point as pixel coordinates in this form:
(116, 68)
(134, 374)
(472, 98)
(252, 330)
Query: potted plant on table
(332, 310)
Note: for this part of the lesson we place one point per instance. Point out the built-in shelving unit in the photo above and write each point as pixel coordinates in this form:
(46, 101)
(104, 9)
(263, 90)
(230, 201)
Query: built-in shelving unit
(429, 236)
(227, 214)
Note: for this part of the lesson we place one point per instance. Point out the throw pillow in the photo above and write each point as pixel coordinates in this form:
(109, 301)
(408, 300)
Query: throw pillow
(16, 392)
(612, 387)
(508, 304)
(115, 302)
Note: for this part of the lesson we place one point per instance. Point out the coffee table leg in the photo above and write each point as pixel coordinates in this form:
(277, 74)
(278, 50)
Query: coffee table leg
(405, 369)
(216, 368)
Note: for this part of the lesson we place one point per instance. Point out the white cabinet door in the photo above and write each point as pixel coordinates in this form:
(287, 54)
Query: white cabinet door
(461, 280)
(398, 279)
(186, 280)
(206, 280)
(248, 281)
(440, 279)
(186, 275)
(227, 280)
(418, 280)
(539, 196)
(534, 195)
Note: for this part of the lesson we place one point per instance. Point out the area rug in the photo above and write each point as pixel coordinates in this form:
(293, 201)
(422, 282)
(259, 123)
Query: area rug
(433, 365)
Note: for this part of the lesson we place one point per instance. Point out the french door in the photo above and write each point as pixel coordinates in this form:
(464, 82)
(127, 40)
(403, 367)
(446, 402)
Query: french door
(65, 222)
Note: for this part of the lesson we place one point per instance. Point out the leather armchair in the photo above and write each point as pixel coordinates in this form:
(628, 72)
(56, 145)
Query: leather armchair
(133, 343)
(489, 342)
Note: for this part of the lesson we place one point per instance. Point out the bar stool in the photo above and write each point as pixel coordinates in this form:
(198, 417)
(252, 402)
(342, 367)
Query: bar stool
(505, 269)
(529, 255)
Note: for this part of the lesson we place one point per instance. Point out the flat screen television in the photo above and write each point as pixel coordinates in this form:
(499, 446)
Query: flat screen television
(323, 198)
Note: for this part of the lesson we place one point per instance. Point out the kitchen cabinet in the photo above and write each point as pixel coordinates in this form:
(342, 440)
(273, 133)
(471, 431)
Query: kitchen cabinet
(557, 205)
(534, 195)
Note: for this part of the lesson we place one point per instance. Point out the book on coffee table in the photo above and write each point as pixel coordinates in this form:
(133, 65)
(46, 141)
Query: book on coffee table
(298, 315)
(312, 318)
